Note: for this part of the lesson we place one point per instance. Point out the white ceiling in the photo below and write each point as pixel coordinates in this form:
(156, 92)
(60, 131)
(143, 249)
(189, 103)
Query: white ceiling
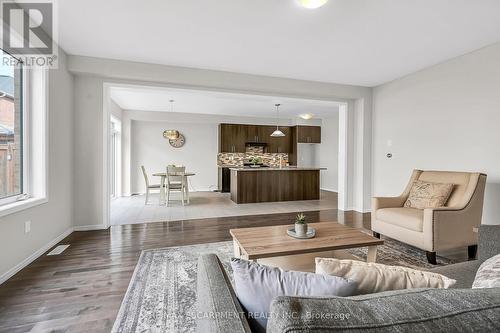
(220, 103)
(361, 42)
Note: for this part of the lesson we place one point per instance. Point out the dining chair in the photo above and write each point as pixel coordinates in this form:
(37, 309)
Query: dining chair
(176, 181)
(148, 185)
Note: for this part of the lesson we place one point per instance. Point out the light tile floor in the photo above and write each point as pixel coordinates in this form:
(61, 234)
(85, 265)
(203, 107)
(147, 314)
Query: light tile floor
(130, 210)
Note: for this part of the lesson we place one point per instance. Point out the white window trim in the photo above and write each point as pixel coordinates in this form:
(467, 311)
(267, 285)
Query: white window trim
(21, 196)
(18, 206)
(35, 143)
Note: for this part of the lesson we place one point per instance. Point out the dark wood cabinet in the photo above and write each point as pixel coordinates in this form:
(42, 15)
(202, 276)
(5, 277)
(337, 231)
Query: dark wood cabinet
(251, 133)
(250, 186)
(256, 133)
(308, 134)
(264, 134)
(279, 144)
(232, 138)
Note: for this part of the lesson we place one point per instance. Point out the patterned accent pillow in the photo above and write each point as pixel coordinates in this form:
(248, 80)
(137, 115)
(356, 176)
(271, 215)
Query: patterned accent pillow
(488, 274)
(428, 195)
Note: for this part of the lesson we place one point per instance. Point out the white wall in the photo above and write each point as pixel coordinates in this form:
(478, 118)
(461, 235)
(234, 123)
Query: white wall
(88, 152)
(54, 219)
(326, 154)
(446, 117)
(115, 110)
(308, 155)
(199, 154)
(329, 153)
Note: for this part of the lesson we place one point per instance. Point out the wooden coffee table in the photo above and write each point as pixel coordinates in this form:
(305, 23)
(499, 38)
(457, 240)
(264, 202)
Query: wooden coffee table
(273, 241)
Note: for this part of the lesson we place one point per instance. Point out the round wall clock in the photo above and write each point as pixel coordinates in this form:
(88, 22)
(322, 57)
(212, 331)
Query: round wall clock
(179, 142)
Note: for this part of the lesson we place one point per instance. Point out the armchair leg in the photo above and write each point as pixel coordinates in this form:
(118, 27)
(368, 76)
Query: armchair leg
(376, 235)
(472, 250)
(431, 257)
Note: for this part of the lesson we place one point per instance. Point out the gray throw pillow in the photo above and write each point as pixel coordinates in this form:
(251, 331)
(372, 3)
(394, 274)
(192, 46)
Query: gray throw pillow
(488, 274)
(256, 286)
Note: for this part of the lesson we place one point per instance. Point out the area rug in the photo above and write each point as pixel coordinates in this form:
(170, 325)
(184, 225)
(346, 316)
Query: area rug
(161, 296)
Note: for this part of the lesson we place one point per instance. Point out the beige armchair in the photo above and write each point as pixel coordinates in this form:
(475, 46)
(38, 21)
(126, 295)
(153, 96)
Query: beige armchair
(436, 229)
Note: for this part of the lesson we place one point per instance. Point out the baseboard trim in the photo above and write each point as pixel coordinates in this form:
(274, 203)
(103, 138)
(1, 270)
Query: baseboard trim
(90, 227)
(357, 210)
(328, 190)
(14, 270)
(191, 190)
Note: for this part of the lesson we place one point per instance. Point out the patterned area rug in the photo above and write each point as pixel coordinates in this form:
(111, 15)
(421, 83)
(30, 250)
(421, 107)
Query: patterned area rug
(161, 296)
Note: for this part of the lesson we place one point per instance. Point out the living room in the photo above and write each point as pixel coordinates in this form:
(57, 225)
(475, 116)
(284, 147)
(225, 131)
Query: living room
(411, 245)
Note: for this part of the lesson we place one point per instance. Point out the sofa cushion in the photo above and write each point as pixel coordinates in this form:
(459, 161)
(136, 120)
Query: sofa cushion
(409, 218)
(256, 286)
(374, 278)
(488, 274)
(489, 245)
(428, 195)
(414, 310)
(462, 272)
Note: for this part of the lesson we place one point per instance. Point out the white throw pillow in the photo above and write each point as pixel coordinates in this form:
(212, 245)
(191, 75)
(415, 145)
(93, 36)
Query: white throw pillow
(374, 278)
(488, 274)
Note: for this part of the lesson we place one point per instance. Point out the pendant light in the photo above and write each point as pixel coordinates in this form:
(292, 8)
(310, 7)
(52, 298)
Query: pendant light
(277, 133)
(171, 134)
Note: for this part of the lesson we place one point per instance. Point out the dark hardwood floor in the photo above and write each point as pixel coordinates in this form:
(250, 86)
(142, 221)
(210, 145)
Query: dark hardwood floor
(81, 290)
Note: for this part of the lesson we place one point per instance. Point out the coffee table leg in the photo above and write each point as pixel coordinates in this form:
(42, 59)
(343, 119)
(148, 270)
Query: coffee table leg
(237, 251)
(372, 254)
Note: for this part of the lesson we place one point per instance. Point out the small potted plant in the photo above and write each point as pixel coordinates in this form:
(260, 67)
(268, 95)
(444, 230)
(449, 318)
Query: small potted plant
(255, 161)
(300, 225)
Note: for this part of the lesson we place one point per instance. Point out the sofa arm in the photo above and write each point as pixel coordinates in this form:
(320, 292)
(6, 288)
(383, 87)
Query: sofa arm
(218, 308)
(410, 310)
(489, 241)
(446, 228)
(387, 202)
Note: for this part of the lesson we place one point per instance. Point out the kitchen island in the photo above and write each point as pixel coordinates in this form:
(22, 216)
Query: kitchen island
(250, 185)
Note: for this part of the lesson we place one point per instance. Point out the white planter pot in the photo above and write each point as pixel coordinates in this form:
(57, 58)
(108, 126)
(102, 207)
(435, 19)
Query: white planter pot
(301, 229)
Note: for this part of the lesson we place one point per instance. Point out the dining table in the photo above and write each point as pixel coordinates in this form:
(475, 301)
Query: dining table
(163, 175)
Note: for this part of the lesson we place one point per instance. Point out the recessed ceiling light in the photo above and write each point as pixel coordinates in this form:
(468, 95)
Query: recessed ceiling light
(312, 4)
(306, 116)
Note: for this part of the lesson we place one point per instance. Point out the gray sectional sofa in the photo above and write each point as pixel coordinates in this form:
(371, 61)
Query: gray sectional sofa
(414, 310)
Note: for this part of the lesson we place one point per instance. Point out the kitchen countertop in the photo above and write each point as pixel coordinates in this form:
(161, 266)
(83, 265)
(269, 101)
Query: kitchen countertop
(289, 168)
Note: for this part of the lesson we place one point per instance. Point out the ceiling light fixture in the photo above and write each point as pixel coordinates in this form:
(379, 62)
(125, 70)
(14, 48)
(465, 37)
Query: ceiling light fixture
(312, 4)
(306, 116)
(277, 133)
(171, 134)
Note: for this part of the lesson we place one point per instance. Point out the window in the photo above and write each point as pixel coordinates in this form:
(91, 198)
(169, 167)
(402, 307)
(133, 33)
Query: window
(23, 135)
(11, 130)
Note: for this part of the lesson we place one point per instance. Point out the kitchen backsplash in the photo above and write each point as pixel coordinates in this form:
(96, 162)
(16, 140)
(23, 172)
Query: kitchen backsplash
(237, 159)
